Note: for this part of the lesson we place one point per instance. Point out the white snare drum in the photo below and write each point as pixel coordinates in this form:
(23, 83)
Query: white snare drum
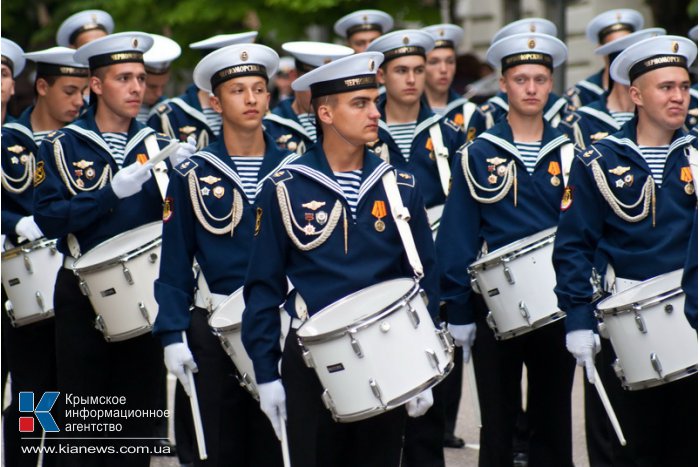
(117, 276)
(226, 323)
(652, 338)
(434, 216)
(375, 350)
(29, 275)
(517, 282)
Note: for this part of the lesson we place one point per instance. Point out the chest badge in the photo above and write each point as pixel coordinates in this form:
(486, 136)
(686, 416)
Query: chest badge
(14, 160)
(687, 177)
(313, 205)
(210, 179)
(218, 191)
(496, 161)
(619, 170)
(17, 149)
(379, 211)
(554, 170)
(205, 191)
(83, 164)
(322, 217)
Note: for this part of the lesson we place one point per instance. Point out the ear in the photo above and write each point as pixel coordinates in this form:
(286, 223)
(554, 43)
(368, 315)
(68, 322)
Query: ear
(636, 96)
(502, 83)
(42, 87)
(325, 114)
(215, 103)
(380, 75)
(96, 85)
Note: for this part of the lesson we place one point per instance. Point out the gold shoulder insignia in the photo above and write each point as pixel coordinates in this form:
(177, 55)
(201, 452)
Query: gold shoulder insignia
(693, 112)
(598, 136)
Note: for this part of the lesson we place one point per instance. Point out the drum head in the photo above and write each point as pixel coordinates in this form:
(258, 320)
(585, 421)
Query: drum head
(229, 313)
(648, 289)
(514, 246)
(120, 245)
(356, 307)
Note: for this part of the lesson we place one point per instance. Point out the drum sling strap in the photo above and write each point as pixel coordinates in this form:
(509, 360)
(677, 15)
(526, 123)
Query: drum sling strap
(441, 156)
(401, 217)
(160, 171)
(693, 163)
(567, 158)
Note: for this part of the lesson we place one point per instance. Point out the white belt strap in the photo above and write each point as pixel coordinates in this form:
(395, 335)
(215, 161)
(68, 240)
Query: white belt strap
(693, 162)
(567, 158)
(468, 110)
(441, 156)
(401, 216)
(160, 171)
(204, 298)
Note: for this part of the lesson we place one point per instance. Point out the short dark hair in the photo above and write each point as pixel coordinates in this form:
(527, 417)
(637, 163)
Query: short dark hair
(50, 80)
(316, 102)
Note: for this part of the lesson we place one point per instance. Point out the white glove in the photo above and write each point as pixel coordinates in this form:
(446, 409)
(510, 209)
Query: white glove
(584, 345)
(420, 404)
(464, 336)
(129, 180)
(27, 228)
(177, 358)
(185, 150)
(273, 403)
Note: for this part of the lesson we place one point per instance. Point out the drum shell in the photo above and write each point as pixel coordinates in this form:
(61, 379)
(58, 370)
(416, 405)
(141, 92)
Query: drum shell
(395, 354)
(668, 335)
(22, 286)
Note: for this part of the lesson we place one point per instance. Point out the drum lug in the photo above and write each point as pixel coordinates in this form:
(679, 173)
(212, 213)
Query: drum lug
(424, 296)
(603, 331)
(619, 372)
(639, 321)
(127, 274)
(433, 359)
(475, 286)
(355, 344)
(308, 358)
(28, 264)
(445, 339)
(84, 288)
(524, 312)
(226, 345)
(328, 401)
(40, 301)
(10, 312)
(413, 314)
(376, 390)
(144, 312)
(153, 257)
(491, 322)
(100, 326)
(53, 250)
(656, 363)
(509, 275)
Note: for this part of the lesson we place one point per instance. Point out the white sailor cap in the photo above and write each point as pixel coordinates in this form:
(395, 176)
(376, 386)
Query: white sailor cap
(445, 35)
(610, 21)
(346, 74)
(123, 47)
(364, 20)
(83, 21)
(620, 44)
(402, 43)
(57, 61)
(309, 55)
(693, 33)
(234, 61)
(222, 40)
(286, 64)
(12, 56)
(527, 48)
(161, 55)
(526, 25)
(651, 54)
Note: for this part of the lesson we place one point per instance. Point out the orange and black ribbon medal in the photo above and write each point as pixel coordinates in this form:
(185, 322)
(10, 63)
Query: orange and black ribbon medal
(687, 177)
(379, 211)
(554, 170)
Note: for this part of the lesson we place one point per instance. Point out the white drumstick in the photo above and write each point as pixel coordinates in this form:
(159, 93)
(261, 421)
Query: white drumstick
(608, 408)
(40, 457)
(164, 153)
(471, 382)
(196, 416)
(285, 444)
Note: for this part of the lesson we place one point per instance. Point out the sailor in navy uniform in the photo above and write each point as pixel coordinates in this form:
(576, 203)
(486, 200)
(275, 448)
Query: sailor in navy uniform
(361, 27)
(507, 184)
(631, 201)
(324, 222)
(157, 61)
(209, 215)
(191, 114)
(30, 349)
(89, 187)
(291, 123)
(603, 29)
(83, 27)
(12, 65)
(614, 108)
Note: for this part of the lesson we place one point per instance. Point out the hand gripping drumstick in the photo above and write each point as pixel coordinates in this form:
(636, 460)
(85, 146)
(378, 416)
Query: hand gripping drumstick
(608, 408)
(196, 416)
(285, 444)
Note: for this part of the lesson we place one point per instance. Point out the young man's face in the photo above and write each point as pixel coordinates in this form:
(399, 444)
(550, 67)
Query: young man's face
(440, 69)
(64, 97)
(120, 87)
(663, 96)
(360, 40)
(353, 114)
(404, 78)
(155, 87)
(242, 102)
(8, 84)
(528, 87)
(88, 36)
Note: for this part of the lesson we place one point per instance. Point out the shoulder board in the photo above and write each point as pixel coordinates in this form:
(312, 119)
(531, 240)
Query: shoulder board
(452, 125)
(163, 108)
(571, 119)
(281, 176)
(186, 167)
(163, 137)
(53, 136)
(405, 178)
(587, 155)
(485, 108)
(572, 91)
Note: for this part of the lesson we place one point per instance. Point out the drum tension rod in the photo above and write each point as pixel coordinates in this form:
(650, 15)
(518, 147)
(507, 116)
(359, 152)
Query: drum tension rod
(28, 264)
(376, 390)
(413, 314)
(656, 363)
(355, 343)
(524, 312)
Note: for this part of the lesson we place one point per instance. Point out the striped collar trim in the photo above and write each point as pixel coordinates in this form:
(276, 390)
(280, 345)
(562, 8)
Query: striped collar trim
(602, 116)
(288, 122)
(591, 87)
(555, 109)
(21, 128)
(510, 147)
(682, 141)
(188, 109)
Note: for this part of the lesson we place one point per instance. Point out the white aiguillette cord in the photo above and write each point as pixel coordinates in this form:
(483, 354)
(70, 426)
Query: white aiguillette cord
(160, 170)
(401, 216)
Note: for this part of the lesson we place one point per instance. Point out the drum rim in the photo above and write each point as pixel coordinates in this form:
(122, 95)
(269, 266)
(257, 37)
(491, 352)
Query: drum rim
(121, 258)
(494, 259)
(230, 327)
(540, 323)
(366, 321)
(638, 305)
(652, 383)
(28, 247)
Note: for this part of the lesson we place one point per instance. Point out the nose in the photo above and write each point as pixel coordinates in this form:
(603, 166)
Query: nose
(250, 97)
(374, 111)
(411, 77)
(677, 94)
(443, 67)
(530, 87)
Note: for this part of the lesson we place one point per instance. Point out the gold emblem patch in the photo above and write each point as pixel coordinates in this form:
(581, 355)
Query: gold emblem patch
(39, 173)
(313, 205)
(16, 149)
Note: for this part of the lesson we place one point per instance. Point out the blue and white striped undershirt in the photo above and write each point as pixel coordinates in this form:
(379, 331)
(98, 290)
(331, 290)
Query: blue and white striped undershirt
(39, 136)
(308, 121)
(248, 169)
(622, 117)
(528, 154)
(213, 120)
(117, 143)
(403, 135)
(350, 183)
(655, 156)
